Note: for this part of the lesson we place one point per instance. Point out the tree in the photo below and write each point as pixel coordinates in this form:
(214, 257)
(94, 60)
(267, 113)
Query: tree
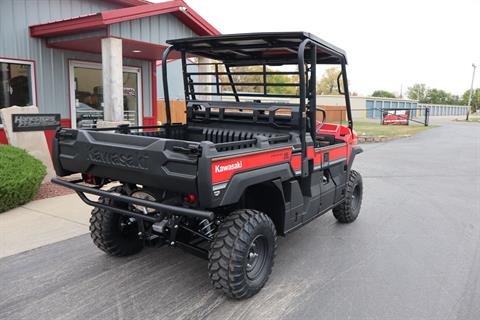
(382, 94)
(282, 78)
(417, 92)
(258, 78)
(423, 94)
(475, 104)
(328, 82)
(437, 96)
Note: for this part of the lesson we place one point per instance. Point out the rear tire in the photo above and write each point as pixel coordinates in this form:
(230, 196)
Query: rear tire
(113, 233)
(348, 211)
(242, 253)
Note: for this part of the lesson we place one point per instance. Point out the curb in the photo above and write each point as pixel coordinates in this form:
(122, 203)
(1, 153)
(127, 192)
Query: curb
(379, 139)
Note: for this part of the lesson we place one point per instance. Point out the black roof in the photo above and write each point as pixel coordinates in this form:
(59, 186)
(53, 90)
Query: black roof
(258, 48)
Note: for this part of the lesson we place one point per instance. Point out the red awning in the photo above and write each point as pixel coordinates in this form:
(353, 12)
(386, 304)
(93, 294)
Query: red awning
(101, 20)
(129, 3)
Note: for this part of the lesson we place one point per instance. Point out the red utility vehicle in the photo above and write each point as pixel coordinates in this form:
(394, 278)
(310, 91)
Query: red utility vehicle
(244, 168)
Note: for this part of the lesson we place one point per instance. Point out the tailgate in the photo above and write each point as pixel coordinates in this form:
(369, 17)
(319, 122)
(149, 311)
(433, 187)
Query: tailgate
(128, 158)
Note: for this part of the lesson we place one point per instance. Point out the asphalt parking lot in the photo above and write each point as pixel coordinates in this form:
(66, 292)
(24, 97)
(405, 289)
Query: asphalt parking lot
(414, 253)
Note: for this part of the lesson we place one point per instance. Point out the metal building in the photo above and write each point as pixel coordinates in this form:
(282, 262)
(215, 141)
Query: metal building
(370, 107)
(51, 54)
(444, 110)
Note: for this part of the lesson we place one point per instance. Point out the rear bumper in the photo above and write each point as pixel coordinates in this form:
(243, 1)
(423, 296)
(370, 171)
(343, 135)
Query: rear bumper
(163, 208)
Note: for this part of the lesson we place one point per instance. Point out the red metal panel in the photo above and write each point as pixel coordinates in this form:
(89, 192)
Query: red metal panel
(335, 153)
(223, 169)
(154, 92)
(83, 23)
(193, 20)
(101, 20)
(50, 134)
(3, 137)
(129, 3)
(148, 121)
(296, 162)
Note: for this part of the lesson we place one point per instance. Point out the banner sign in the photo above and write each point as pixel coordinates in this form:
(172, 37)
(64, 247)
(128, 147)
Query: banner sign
(396, 116)
(35, 121)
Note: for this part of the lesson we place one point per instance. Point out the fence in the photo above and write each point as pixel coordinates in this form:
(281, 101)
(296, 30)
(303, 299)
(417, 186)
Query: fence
(177, 109)
(338, 114)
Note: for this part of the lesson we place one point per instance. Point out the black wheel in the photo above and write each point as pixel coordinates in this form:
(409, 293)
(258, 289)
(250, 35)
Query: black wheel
(113, 233)
(241, 255)
(348, 211)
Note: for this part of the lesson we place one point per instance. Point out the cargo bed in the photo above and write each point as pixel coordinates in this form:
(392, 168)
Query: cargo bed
(166, 158)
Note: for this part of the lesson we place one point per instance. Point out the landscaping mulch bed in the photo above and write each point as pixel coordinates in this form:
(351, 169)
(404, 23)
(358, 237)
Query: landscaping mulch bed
(49, 190)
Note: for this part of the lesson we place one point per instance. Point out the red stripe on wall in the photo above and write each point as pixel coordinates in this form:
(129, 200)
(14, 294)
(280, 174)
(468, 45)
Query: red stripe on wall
(154, 93)
(50, 134)
(148, 121)
(3, 137)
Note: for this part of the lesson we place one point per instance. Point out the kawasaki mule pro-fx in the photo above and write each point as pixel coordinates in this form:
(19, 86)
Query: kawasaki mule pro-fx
(247, 165)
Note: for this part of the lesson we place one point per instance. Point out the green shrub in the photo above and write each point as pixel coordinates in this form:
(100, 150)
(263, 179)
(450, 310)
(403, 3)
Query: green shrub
(20, 177)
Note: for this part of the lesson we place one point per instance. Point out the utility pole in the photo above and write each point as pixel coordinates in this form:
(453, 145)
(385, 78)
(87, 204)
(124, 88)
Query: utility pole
(471, 86)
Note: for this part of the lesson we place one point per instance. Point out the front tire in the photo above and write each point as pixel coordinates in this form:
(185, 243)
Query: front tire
(349, 210)
(242, 253)
(113, 233)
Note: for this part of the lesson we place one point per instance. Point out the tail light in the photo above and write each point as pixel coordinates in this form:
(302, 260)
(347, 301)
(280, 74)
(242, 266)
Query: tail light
(190, 198)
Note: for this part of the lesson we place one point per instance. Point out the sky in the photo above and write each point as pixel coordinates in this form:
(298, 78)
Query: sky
(390, 44)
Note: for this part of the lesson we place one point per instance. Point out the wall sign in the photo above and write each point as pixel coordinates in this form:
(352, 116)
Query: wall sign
(35, 121)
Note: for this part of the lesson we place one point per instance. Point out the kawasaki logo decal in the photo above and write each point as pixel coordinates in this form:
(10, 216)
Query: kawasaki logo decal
(222, 168)
(118, 159)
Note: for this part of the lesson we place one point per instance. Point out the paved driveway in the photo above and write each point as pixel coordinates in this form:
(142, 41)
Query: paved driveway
(413, 254)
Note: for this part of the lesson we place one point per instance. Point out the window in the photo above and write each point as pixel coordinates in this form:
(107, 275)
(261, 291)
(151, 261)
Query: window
(87, 86)
(17, 85)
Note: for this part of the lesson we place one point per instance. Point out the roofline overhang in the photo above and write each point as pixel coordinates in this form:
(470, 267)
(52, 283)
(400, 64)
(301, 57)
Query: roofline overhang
(101, 20)
(129, 3)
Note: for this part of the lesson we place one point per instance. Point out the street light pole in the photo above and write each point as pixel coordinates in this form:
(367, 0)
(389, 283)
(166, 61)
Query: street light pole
(471, 85)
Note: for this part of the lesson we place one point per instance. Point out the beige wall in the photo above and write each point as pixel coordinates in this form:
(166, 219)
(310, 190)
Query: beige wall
(358, 104)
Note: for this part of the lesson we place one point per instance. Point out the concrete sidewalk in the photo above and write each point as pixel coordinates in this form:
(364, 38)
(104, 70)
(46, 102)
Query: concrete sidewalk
(42, 222)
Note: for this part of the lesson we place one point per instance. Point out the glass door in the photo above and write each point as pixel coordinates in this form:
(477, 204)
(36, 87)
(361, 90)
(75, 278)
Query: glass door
(130, 96)
(86, 90)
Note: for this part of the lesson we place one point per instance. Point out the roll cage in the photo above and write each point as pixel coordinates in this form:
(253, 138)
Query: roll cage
(300, 49)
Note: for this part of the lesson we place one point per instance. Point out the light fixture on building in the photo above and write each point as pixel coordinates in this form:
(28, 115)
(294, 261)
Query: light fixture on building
(183, 9)
(136, 51)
